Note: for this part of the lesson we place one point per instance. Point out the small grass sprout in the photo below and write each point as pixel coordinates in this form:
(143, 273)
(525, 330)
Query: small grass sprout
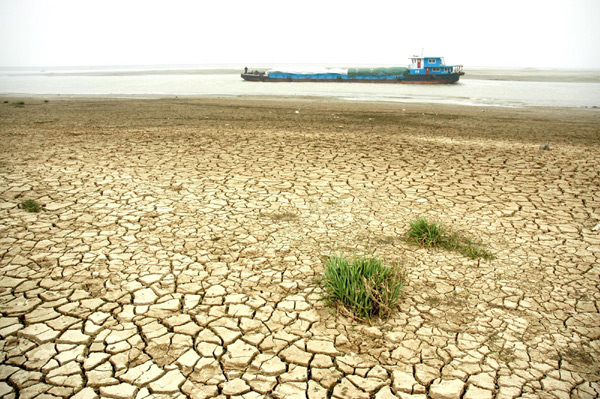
(31, 206)
(362, 286)
(284, 217)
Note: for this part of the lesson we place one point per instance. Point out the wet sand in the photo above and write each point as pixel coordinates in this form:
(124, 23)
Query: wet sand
(181, 242)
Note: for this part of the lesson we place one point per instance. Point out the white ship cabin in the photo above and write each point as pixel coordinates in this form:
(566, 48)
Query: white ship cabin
(431, 65)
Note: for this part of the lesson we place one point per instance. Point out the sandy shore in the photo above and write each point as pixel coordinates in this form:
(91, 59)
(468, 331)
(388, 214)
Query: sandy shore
(181, 241)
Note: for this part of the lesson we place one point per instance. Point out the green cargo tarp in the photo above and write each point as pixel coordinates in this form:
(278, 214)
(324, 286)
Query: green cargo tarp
(392, 71)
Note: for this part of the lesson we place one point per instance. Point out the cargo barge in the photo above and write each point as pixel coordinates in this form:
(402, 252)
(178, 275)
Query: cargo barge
(421, 70)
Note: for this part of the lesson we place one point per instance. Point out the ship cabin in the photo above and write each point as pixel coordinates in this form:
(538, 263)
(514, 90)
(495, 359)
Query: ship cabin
(431, 66)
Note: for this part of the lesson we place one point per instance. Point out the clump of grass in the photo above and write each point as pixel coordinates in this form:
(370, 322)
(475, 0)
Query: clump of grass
(427, 234)
(31, 206)
(364, 287)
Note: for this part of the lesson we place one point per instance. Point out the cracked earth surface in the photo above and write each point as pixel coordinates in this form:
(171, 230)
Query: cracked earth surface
(181, 241)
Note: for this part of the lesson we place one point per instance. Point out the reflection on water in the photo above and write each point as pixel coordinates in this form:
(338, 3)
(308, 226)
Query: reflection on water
(227, 82)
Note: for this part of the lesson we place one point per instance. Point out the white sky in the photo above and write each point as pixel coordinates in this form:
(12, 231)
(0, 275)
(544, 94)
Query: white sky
(507, 33)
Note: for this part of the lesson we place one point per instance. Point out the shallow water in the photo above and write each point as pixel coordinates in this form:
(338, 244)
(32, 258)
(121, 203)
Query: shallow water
(153, 82)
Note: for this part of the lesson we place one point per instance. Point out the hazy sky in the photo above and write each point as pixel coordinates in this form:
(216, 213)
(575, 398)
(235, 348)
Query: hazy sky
(507, 33)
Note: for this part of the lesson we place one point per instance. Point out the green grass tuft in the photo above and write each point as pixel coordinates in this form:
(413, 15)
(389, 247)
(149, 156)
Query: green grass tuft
(428, 234)
(31, 206)
(363, 286)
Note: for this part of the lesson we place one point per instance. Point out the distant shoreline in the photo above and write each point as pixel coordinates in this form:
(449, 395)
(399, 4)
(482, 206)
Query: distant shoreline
(535, 75)
(500, 74)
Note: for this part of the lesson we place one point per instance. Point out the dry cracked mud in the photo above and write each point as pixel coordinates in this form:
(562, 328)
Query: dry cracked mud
(179, 249)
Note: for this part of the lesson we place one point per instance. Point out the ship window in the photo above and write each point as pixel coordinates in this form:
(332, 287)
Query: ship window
(436, 69)
(432, 61)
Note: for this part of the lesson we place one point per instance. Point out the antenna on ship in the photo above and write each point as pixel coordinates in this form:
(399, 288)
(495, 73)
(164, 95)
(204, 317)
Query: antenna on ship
(422, 51)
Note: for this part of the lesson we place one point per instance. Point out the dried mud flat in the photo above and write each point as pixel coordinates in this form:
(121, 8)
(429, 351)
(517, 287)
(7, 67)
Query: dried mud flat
(180, 245)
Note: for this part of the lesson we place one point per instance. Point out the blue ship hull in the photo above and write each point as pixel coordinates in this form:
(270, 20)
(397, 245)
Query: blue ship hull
(449, 78)
(422, 70)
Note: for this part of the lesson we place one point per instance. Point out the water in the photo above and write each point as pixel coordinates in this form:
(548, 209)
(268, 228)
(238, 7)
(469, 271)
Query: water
(156, 82)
